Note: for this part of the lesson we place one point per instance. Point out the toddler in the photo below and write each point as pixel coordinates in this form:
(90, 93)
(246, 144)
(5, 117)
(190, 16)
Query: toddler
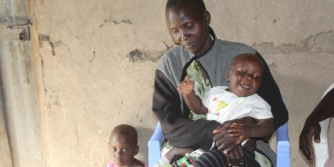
(123, 147)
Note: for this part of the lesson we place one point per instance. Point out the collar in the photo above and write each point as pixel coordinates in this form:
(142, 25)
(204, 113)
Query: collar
(213, 36)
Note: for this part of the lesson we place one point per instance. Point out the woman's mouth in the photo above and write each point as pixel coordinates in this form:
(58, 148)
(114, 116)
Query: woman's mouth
(189, 44)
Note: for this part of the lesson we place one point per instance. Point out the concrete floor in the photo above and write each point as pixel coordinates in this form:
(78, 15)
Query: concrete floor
(97, 61)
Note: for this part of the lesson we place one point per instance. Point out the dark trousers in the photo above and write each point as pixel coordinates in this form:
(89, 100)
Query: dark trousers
(215, 158)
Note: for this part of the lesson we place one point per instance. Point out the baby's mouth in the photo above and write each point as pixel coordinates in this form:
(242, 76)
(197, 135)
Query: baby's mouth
(244, 86)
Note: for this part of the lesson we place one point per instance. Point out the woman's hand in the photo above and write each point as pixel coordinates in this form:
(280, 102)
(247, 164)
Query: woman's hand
(222, 138)
(311, 128)
(240, 131)
(235, 157)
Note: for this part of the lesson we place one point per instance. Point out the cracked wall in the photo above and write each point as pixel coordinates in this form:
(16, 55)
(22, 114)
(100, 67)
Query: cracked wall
(98, 62)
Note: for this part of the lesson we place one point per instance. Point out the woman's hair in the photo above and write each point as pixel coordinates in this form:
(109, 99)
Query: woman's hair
(196, 4)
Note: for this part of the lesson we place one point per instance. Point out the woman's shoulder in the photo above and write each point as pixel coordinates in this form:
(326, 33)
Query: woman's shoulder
(174, 52)
(175, 57)
(235, 46)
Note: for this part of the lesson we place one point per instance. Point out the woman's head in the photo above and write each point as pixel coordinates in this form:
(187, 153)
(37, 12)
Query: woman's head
(188, 23)
(123, 145)
(197, 4)
(245, 75)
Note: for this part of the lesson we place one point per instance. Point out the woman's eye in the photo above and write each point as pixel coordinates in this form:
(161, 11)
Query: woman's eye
(175, 31)
(243, 72)
(189, 25)
(125, 150)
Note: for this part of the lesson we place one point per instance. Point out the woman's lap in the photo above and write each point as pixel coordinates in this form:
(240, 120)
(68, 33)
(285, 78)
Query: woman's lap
(214, 158)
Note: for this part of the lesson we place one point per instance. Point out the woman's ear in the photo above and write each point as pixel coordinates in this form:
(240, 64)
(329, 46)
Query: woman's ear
(228, 75)
(207, 17)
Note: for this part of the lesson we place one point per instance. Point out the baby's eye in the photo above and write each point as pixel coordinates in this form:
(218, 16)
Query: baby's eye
(125, 150)
(114, 149)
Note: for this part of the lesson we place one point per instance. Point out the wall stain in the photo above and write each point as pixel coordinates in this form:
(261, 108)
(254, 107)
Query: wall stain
(122, 21)
(273, 66)
(116, 22)
(168, 47)
(138, 56)
(92, 59)
(51, 42)
(105, 21)
(314, 44)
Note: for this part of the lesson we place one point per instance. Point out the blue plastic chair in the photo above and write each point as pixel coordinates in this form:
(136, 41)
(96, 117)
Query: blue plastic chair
(283, 146)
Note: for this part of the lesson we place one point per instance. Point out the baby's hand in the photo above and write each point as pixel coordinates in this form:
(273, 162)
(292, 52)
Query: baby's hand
(241, 131)
(186, 86)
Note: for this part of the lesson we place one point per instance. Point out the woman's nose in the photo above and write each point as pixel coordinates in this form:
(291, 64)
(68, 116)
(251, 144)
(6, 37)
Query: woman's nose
(184, 35)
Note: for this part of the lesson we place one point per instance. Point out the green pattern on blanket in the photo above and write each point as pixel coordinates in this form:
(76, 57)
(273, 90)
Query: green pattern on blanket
(201, 86)
(262, 160)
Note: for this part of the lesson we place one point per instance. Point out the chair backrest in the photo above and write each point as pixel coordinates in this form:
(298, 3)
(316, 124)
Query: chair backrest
(321, 149)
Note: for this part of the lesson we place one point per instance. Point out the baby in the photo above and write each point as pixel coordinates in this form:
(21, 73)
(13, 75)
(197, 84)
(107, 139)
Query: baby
(123, 147)
(238, 100)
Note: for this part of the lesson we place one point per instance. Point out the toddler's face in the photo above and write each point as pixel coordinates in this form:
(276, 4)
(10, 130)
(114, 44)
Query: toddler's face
(122, 150)
(245, 77)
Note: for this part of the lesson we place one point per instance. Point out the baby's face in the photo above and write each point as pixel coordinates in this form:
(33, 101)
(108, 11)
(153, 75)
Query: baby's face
(122, 150)
(245, 77)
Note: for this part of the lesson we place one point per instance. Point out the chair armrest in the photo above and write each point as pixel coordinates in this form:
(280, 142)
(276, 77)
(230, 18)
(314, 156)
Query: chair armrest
(283, 146)
(154, 146)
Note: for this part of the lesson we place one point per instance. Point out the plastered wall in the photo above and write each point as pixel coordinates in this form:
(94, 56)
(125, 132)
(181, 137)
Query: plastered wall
(96, 63)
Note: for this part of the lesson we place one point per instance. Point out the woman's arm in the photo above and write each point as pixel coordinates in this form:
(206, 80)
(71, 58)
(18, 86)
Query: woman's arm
(242, 131)
(177, 128)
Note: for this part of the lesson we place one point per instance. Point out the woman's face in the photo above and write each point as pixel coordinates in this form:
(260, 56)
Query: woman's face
(189, 28)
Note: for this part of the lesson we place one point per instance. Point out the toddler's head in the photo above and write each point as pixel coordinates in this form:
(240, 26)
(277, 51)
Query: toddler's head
(245, 75)
(123, 145)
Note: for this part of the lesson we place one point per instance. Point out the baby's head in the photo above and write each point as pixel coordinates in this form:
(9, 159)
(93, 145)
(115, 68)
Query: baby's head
(245, 75)
(123, 145)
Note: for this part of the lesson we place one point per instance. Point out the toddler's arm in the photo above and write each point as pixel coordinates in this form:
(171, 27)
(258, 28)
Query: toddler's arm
(263, 127)
(193, 102)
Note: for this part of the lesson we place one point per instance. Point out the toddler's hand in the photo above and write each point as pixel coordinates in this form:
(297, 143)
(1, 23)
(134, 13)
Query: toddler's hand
(241, 131)
(186, 86)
